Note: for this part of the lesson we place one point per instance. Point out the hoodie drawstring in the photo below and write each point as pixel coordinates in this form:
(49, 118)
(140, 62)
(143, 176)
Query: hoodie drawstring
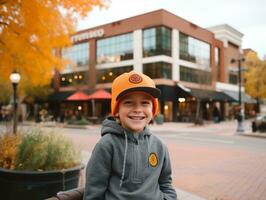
(148, 149)
(124, 161)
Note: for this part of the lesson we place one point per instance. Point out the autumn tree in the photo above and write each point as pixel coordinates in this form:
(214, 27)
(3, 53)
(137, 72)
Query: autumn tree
(255, 76)
(30, 32)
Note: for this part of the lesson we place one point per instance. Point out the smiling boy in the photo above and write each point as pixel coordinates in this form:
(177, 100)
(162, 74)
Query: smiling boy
(129, 163)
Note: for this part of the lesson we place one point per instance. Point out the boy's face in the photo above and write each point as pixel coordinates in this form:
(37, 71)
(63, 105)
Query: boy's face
(135, 111)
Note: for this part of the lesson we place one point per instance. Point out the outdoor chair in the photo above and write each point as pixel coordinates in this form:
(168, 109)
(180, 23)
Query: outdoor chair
(74, 194)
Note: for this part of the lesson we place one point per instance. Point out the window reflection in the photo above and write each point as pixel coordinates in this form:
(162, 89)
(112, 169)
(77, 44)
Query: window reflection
(77, 54)
(157, 41)
(194, 75)
(72, 79)
(233, 78)
(108, 75)
(194, 50)
(217, 62)
(158, 70)
(115, 49)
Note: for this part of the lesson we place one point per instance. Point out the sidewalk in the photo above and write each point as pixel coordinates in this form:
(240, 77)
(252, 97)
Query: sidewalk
(225, 127)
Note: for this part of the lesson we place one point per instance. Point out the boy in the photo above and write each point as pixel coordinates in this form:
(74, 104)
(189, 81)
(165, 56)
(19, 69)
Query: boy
(129, 163)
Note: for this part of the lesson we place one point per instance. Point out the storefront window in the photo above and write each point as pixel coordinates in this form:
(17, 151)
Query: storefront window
(217, 62)
(108, 75)
(194, 50)
(194, 75)
(72, 79)
(157, 41)
(233, 78)
(77, 54)
(115, 49)
(158, 70)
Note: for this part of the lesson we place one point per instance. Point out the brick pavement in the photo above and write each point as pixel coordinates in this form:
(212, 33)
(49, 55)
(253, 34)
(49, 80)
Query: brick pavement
(215, 172)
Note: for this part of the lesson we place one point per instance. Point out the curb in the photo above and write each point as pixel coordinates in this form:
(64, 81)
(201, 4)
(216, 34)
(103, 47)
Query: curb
(258, 135)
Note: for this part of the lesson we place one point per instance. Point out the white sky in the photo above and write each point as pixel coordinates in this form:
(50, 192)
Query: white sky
(247, 16)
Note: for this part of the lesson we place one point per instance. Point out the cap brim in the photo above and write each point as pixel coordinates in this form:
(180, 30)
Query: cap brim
(155, 92)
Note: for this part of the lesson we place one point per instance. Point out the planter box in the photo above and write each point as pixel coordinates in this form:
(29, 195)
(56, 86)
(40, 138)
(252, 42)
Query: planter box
(34, 185)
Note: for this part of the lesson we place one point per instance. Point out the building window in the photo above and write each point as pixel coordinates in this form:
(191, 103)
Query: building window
(195, 76)
(157, 41)
(158, 70)
(72, 79)
(233, 78)
(108, 75)
(194, 50)
(115, 49)
(217, 62)
(77, 54)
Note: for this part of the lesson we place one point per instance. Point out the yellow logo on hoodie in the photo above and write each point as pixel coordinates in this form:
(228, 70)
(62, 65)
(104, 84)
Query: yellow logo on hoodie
(153, 160)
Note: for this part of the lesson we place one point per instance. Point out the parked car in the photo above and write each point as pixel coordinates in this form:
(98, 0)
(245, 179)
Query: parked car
(259, 124)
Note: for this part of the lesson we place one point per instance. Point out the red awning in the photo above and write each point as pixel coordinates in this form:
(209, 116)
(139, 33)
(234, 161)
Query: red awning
(78, 96)
(100, 94)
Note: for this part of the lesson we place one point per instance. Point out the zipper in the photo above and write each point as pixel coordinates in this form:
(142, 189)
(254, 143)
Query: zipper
(136, 161)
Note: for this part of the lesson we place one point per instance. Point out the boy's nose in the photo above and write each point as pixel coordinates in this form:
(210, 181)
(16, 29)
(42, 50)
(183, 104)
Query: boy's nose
(137, 108)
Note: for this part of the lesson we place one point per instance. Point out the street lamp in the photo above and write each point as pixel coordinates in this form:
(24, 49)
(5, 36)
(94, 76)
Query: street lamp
(15, 78)
(240, 119)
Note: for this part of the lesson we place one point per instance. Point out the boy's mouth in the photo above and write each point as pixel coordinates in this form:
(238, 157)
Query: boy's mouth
(136, 117)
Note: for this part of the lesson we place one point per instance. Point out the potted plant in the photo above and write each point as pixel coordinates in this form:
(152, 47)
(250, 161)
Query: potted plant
(159, 118)
(36, 165)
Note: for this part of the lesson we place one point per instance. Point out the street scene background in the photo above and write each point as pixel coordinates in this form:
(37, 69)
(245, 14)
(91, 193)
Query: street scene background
(208, 162)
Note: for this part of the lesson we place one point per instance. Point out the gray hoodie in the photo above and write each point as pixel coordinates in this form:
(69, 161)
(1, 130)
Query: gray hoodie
(127, 166)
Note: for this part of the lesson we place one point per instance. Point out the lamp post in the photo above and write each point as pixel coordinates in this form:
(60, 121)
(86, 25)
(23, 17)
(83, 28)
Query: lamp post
(15, 78)
(240, 119)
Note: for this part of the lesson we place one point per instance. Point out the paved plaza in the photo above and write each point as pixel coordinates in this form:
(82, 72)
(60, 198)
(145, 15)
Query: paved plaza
(208, 162)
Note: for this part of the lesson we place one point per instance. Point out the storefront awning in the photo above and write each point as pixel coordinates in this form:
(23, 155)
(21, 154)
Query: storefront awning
(100, 94)
(204, 95)
(78, 96)
(60, 96)
(235, 95)
(210, 95)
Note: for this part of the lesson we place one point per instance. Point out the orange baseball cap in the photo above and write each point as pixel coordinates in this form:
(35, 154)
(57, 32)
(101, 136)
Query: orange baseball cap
(131, 82)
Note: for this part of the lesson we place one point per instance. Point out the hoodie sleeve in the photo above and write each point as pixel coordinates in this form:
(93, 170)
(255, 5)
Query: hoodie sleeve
(98, 172)
(165, 179)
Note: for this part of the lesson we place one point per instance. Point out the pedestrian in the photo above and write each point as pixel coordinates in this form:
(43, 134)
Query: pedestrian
(216, 115)
(129, 162)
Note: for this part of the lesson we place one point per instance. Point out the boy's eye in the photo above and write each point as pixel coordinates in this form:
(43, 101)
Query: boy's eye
(127, 102)
(146, 102)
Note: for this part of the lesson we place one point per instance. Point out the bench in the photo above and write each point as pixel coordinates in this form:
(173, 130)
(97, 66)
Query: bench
(74, 194)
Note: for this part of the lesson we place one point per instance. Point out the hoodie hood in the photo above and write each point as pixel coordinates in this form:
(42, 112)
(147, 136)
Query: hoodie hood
(110, 126)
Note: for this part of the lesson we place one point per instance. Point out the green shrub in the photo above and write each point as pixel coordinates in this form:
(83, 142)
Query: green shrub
(39, 150)
(78, 122)
(159, 119)
(45, 151)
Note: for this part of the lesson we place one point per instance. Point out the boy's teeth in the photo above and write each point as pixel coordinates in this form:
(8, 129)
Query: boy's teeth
(136, 117)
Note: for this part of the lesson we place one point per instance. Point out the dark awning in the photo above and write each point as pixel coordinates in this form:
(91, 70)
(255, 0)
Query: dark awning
(60, 96)
(204, 95)
(210, 95)
(235, 95)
